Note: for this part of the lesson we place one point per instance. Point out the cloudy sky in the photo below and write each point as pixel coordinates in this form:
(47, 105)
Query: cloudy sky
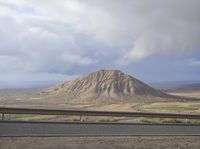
(56, 40)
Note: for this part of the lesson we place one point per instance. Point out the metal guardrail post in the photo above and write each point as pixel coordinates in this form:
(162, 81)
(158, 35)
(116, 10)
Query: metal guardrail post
(2, 116)
(80, 118)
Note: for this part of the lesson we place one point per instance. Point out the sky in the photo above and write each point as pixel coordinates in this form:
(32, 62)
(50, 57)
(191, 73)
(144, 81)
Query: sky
(50, 41)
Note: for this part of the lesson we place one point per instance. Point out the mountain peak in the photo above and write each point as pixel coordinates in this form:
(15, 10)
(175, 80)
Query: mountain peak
(107, 72)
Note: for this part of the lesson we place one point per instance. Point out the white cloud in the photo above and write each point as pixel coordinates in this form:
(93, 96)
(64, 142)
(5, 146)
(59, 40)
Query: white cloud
(76, 59)
(194, 62)
(32, 44)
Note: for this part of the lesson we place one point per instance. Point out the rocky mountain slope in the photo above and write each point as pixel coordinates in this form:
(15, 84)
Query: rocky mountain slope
(104, 86)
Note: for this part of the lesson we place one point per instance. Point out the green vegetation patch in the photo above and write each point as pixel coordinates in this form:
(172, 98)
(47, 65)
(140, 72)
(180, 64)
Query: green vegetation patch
(27, 117)
(169, 120)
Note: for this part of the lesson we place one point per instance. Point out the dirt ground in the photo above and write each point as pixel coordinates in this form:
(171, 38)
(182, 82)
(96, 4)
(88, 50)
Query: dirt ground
(194, 94)
(102, 142)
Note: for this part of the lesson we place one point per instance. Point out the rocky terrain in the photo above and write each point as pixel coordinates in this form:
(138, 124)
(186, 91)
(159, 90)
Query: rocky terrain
(104, 86)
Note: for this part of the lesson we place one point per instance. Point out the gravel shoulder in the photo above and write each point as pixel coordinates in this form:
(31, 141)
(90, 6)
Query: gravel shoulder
(106, 142)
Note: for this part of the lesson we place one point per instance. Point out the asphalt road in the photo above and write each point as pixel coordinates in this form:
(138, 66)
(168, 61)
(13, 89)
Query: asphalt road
(25, 129)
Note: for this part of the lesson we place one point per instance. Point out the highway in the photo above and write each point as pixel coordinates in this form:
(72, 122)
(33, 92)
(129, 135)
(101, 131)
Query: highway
(28, 129)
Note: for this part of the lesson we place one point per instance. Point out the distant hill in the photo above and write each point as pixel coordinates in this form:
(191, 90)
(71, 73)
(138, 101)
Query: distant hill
(104, 86)
(185, 88)
(18, 91)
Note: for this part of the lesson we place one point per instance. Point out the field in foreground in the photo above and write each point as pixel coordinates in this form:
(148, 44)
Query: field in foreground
(117, 142)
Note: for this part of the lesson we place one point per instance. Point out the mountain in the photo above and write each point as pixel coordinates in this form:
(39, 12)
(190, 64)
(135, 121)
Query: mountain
(104, 86)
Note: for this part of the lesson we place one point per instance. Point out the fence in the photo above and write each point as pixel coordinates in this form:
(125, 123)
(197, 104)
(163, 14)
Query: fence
(11, 110)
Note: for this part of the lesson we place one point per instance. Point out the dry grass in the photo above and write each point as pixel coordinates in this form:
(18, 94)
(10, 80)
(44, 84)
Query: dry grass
(195, 94)
(113, 107)
(173, 107)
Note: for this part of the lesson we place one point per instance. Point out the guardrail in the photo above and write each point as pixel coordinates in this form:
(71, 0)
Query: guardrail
(11, 110)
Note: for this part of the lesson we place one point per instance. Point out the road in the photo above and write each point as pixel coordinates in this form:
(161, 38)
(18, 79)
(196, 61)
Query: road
(25, 129)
